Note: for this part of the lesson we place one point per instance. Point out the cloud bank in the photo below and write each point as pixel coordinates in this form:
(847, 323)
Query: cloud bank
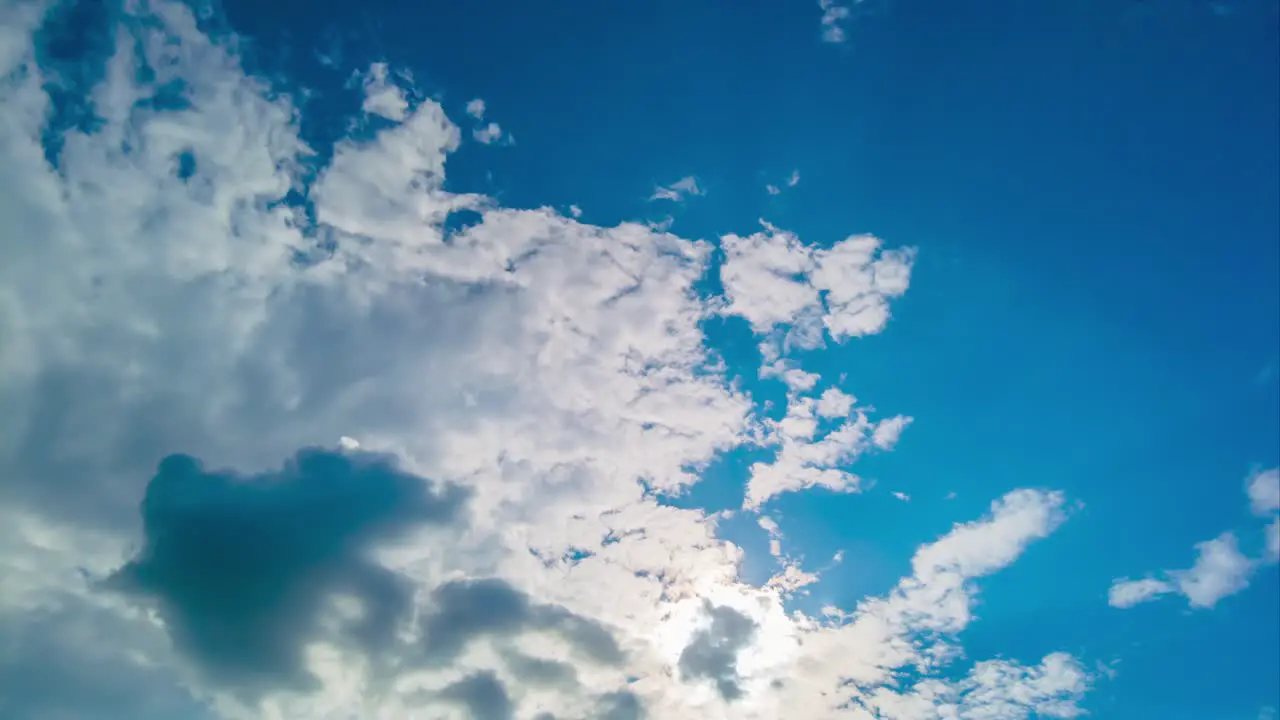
(489, 417)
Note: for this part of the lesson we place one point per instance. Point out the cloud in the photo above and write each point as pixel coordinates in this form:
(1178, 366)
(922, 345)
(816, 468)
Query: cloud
(833, 403)
(1127, 593)
(792, 180)
(1220, 569)
(192, 287)
(791, 577)
(240, 568)
(713, 652)
(1263, 488)
(486, 133)
(483, 695)
(382, 97)
(914, 625)
(679, 190)
(772, 279)
(809, 457)
(464, 610)
(492, 133)
(834, 16)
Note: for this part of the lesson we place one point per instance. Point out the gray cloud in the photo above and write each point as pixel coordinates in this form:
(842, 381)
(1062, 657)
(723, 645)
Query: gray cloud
(483, 694)
(241, 567)
(540, 671)
(713, 652)
(622, 705)
(464, 610)
(67, 661)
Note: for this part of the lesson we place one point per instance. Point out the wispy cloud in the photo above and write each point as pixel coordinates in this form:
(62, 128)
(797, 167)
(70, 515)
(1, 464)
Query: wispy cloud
(834, 16)
(679, 190)
(792, 181)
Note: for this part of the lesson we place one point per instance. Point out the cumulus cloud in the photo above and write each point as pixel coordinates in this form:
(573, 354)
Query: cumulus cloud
(1220, 569)
(679, 190)
(189, 293)
(771, 279)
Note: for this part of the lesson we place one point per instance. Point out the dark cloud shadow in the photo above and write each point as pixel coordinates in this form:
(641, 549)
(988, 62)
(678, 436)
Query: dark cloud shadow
(484, 696)
(241, 568)
(713, 652)
(464, 610)
(621, 705)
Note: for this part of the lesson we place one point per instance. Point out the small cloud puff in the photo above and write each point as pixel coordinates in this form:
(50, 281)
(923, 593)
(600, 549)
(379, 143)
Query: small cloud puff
(492, 133)
(489, 133)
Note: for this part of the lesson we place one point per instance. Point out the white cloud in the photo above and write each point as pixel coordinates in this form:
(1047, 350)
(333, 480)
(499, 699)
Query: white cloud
(678, 190)
(1263, 487)
(914, 625)
(1127, 593)
(486, 133)
(808, 457)
(833, 403)
(888, 431)
(770, 279)
(901, 496)
(381, 97)
(492, 133)
(1220, 569)
(540, 364)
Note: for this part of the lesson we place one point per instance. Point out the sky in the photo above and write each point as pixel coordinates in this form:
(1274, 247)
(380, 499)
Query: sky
(866, 360)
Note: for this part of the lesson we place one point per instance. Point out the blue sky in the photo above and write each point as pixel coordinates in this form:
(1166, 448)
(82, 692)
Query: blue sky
(1089, 192)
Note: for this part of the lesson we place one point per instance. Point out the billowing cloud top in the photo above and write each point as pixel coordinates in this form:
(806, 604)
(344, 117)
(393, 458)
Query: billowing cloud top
(189, 293)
